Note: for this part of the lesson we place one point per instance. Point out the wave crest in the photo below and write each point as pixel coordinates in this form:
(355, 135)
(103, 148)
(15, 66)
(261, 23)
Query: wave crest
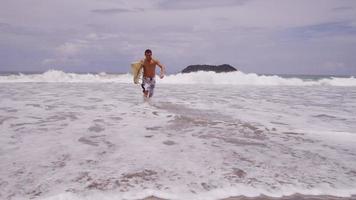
(240, 78)
(231, 78)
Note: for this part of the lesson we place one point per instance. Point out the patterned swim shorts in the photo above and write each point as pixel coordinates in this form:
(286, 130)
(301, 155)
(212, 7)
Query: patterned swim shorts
(148, 84)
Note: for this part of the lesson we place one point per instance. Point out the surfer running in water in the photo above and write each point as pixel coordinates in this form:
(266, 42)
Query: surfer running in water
(149, 73)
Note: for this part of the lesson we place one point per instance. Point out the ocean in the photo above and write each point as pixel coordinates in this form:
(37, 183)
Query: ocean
(203, 135)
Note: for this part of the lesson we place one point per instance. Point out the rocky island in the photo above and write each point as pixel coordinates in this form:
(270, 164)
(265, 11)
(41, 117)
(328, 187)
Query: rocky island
(214, 68)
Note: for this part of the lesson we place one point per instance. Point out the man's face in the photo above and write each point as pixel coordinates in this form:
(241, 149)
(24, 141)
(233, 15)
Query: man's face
(148, 55)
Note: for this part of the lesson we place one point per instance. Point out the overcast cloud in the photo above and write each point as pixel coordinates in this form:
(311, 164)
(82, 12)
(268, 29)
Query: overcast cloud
(262, 36)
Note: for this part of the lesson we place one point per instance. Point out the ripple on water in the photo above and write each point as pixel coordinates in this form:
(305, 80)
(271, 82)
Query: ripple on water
(96, 128)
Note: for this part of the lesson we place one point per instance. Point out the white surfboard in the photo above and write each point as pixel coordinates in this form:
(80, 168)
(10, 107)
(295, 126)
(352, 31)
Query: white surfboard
(136, 71)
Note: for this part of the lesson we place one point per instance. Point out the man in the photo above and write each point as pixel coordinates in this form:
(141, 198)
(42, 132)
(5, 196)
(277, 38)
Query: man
(149, 72)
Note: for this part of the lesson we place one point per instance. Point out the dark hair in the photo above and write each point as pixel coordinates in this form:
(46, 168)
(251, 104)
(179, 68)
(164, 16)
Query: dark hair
(148, 51)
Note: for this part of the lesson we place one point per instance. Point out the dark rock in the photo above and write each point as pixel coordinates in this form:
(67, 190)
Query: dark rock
(214, 68)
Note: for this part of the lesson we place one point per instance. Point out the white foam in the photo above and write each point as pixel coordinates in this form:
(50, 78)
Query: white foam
(186, 143)
(53, 76)
(240, 78)
(239, 190)
(231, 78)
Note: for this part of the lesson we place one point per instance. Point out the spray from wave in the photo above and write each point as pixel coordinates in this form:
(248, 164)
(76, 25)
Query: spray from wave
(230, 78)
(55, 76)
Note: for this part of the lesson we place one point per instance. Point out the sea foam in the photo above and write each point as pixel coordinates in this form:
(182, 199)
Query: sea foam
(240, 190)
(103, 141)
(230, 78)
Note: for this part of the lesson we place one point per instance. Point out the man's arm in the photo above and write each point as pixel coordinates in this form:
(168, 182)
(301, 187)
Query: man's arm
(163, 69)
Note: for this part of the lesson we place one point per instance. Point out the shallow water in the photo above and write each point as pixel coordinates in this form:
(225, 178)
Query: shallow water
(102, 140)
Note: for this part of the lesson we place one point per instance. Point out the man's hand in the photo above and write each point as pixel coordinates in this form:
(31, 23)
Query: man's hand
(161, 75)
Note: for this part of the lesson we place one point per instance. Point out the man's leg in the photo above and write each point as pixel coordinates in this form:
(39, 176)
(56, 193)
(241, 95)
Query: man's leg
(150, 94)
(146, 93)
(145, 87)
(152, 87)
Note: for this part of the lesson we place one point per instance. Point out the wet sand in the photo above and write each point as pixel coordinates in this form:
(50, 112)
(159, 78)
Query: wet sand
(292, 197)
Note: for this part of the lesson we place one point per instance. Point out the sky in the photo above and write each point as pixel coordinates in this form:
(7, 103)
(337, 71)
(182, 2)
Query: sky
(255, 36)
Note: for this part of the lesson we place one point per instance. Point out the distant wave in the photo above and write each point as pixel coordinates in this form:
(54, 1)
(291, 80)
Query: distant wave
(53, 76)
(231, 78)
(240, 78)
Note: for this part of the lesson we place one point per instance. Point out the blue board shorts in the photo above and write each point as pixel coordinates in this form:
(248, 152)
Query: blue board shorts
(148, 84)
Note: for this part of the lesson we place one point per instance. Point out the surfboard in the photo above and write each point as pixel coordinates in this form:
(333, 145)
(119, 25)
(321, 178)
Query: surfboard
(136, 71)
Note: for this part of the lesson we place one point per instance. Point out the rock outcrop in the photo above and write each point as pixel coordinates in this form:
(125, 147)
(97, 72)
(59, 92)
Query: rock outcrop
(214, 68)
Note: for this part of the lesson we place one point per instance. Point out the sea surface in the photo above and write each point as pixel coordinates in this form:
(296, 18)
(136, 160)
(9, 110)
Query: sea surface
(202, 136)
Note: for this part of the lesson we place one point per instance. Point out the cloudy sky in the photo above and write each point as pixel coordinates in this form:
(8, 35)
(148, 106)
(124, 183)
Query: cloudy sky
(261, 36)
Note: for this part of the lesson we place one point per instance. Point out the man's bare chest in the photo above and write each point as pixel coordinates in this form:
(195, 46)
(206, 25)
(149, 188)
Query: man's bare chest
(149, 64)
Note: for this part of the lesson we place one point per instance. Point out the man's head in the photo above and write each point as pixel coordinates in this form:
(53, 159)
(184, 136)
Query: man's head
(148, 53)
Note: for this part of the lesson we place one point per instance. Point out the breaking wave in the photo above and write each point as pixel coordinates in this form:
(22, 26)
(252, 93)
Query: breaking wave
(231, 78)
